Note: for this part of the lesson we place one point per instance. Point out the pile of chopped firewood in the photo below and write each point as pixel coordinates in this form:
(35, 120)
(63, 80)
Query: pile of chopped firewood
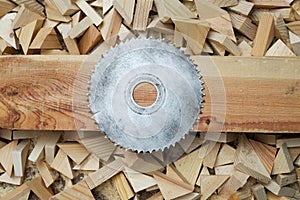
(216, 27)
(230, 166)
(60, 165)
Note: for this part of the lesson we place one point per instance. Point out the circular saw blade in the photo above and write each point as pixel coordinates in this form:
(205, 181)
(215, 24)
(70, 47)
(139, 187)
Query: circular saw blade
(169, 118)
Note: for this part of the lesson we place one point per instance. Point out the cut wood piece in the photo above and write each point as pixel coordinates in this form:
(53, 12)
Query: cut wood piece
(209, 184)
(266, 138)
(290, 142)
(264, 36)
(103, 174)
(29, 32)
(171, 171)
(77, 152)
(270, 3)
(273, 187)
(72, 46)
(244, 25)
(50, 147)
(106, 5)
(89, 11)
(243, 7)
(193, 31)
(6, 157)
(295, 42)
(141, 14)
(122, 186)
(158, 26)
(279, 48)
(62, 164)
(189, 166)
(99, 145)
(138, 181)
(89, 40)
(191, 196)
(37, 186)
(33, 4)
(6, 134)
(224, 41)
(125, 34)
(80, 28)
(21, 193)
(125, 8)
(210, 158)
(225, 156)
(281, 31)
(10, 179)
(222, 25)
(157, 196)
(91, 163)
(225, 170)
(221, 137)
(45, 39)
(207, 48)
(5, 7)
(191, 142)
(283, 162)
(266, 154)
(25, 16)
(53, 13)
(46, 174)
(77, 192)
(66, 7)
(111, 26)
(204, 172)
(236, 181)
(286, 179)
(223, 4)
(168, 9)
(218, 49)
(19, 156)
(208, 10)
(39, 146)
(294, 152)
(6, 31)
(248, 162)
(259, 192)
(171, 188)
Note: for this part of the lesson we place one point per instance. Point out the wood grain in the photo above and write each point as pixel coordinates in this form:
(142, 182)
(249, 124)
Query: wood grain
(50, 93)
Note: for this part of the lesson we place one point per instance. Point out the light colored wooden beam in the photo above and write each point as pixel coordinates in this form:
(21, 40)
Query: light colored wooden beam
(122, 186)
(142, 9)
(77, 152)
(125, 8)
(89, 11)
(19, 156)
(62, 164)
(242, 78)
(6, 158)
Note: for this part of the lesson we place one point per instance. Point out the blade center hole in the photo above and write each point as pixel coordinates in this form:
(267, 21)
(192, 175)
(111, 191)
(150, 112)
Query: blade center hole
(144, 94)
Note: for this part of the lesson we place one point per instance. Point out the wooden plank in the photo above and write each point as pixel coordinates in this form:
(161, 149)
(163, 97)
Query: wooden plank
(33, 4)
(45, 39)
(286, 179)
(242, 77)
(248, 162)
(19, 157)
(290, 142)
(270, 3)
(224, 41)
(89, 11)
(243, 7)
(264, 36)
(91, 163)
(111, 25)
(50, 147)
(10, 179)
(141, 14)
(6, 134)
(225, 156)
(66, 7)
(244, 25)
(80, 28)
(25, 16)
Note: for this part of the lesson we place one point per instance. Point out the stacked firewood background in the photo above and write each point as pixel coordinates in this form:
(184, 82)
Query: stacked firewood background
(60, 165)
